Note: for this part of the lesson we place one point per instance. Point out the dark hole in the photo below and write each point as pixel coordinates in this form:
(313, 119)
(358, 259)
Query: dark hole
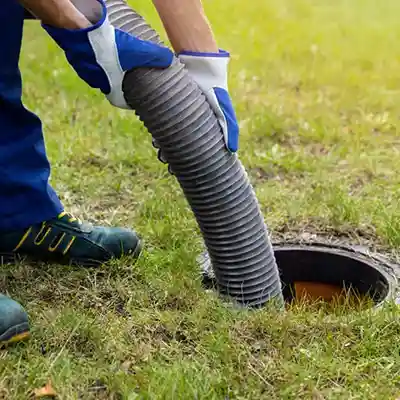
(327, 272)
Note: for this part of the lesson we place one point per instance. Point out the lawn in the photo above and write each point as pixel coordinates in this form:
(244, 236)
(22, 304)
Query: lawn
(316, 86)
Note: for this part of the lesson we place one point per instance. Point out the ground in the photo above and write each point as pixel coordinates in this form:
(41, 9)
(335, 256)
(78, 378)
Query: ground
(316, 86)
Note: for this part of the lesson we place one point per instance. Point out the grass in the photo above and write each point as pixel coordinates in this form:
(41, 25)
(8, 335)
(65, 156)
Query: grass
(316, 88)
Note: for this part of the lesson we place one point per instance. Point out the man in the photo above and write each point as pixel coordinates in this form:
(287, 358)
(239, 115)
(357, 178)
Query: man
(33, 221)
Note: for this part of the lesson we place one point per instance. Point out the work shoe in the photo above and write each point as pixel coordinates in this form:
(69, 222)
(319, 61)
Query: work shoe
(14, 324)
(67, 240)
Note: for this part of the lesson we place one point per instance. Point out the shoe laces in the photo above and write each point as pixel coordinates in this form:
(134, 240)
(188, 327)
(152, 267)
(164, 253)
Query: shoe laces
(71, 218)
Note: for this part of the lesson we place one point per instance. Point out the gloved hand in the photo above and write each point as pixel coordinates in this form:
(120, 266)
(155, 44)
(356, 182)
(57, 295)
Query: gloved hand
(210, 72)
(102, 54)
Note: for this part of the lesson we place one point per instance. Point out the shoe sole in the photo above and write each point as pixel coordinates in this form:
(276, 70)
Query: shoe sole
(15, 334)
(7, 258)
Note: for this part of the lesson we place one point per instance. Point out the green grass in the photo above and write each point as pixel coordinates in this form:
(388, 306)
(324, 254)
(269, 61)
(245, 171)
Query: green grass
(316, 88)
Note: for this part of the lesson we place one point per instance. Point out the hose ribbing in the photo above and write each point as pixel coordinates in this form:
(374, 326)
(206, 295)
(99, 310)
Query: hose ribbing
(214, 182)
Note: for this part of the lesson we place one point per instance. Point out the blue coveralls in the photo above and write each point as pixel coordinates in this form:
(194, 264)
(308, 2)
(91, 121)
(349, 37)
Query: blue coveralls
(26, 197)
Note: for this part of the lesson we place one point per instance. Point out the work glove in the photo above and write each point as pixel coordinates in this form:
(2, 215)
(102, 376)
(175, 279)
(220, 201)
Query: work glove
(210, 72)
(102, 54)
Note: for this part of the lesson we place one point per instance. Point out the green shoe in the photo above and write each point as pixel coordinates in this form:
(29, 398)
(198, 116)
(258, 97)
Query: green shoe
(14, 324)
(67, 240)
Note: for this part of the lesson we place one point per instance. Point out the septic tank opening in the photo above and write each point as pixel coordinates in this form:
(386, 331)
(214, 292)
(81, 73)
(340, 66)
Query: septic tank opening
(329, 273)
(324, 273)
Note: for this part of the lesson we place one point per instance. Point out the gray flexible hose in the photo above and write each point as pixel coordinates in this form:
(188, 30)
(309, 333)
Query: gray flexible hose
(214, 181)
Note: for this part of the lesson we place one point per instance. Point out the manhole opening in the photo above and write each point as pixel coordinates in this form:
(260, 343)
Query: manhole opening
(329, 275)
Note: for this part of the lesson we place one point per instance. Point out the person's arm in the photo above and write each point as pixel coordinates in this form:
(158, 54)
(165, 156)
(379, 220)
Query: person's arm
(187, 26)
(192, 38)
(99, 53)
(58, 13)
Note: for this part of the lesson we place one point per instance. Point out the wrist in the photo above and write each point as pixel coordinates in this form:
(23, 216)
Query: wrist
(82, 14)
(79, 21)
(77, 24)
(58, 14)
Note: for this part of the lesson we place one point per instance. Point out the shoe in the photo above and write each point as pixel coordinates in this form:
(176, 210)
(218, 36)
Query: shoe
(14, 324)
(67, 240)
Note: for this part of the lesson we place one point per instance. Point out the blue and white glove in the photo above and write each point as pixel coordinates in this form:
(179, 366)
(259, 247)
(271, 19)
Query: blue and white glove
(102, 54)
(210, 72)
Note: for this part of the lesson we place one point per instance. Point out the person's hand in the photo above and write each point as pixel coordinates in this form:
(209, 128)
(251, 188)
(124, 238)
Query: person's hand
(102, 54)
(210, 72)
